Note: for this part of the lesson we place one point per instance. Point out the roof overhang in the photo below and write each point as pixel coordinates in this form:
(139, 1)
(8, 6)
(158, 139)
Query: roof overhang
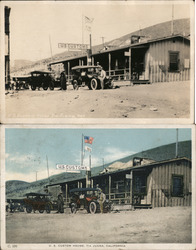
(140, 45)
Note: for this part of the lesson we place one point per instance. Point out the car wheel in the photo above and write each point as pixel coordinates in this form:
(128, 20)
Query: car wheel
(94, 84)
(29, 209)
(73, 208)
(111, 84)
(45, 87)
(75, 85)
(93, 207)
(41, 211)
(47, 208)
(51, 86)
(33, 87)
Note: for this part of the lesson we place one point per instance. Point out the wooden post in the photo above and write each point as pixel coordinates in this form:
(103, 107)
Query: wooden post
(109, 57)
(130, 66)
(66, 192)
(68, 71)
(131, 187)
(110, 182)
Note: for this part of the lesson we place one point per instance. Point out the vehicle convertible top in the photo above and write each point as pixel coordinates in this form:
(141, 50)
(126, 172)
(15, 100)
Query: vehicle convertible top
(40, 72)
(37, 194)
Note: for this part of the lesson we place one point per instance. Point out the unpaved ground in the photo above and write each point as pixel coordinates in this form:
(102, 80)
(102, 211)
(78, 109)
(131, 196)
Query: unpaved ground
(159, 100)
(158, 225)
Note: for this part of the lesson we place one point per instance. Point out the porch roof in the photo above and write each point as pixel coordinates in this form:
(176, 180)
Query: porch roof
(153, 164)
(133, 46)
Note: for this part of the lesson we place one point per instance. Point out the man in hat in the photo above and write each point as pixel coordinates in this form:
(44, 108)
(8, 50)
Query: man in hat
(101, 200)
(102, 76)
(60, 203)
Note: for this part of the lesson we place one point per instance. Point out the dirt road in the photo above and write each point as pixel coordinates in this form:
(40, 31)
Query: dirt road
(158, 225)
(159, 100)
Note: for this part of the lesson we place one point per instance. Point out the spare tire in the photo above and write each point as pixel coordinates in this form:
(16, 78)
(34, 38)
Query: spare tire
(92, 207)
(94, 84)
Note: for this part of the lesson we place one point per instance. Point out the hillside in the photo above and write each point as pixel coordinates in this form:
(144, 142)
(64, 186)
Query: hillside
(181, 27)
(165, 152)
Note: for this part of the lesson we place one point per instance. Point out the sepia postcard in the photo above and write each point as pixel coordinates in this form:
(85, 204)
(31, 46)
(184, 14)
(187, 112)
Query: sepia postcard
(73, 187)
(97, 62)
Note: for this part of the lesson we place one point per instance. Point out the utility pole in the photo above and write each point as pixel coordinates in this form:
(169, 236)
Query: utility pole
(36, 174)
(172, 23)
(48, 169)
(103, 163)
(102, 37)
(177, 143)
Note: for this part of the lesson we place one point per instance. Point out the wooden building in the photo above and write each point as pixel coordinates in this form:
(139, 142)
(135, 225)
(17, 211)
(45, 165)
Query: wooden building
(155, 184)
(159, 60)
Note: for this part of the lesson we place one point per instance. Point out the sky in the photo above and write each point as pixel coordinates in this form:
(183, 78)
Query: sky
(33, 25)
(26, 149)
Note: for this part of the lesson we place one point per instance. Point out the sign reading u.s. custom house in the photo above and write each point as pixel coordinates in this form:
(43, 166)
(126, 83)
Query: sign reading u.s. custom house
(73, 46)
(71, 168)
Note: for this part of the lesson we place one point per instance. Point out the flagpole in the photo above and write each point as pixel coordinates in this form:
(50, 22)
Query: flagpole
(82, 30)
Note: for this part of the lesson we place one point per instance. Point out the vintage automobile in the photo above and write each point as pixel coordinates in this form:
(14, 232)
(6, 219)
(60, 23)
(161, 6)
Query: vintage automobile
(87, 198)
(14, 205)
(21, 82)
(43, 79)
(89, 76)
(38, 201)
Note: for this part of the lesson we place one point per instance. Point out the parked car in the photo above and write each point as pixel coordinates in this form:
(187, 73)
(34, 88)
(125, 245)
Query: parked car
(89, 76)
(40, 202)
(42, 79)
(87, 198)
(20, 82)
(14, 205)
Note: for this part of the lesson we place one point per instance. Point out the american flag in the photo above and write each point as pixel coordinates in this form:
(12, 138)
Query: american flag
(88, 139)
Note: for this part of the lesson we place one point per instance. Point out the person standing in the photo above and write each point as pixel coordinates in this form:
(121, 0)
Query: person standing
(60, 203)
(102, 198)
(102, 76)
(63, 81)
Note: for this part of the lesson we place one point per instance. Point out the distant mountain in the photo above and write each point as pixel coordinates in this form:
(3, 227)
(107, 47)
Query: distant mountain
(165, 152)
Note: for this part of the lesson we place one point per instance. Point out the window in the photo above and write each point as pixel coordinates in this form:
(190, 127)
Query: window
(173, 61)
(177, 185)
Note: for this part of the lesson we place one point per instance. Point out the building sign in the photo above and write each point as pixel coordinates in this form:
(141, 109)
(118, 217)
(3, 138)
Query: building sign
(71, 168)
(73, 46)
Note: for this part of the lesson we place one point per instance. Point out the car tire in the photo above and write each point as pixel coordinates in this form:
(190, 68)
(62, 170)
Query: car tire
(45, 87)
(33, 87)
(48, 208)
(73, 208)
(111, 84)
(93, 207)
(51, 86)
(41, 211)
(29, 209)
(75, 85)
(94, 84)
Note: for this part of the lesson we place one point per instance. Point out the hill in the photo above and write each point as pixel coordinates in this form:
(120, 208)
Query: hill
(165, 152)
(180, 27)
